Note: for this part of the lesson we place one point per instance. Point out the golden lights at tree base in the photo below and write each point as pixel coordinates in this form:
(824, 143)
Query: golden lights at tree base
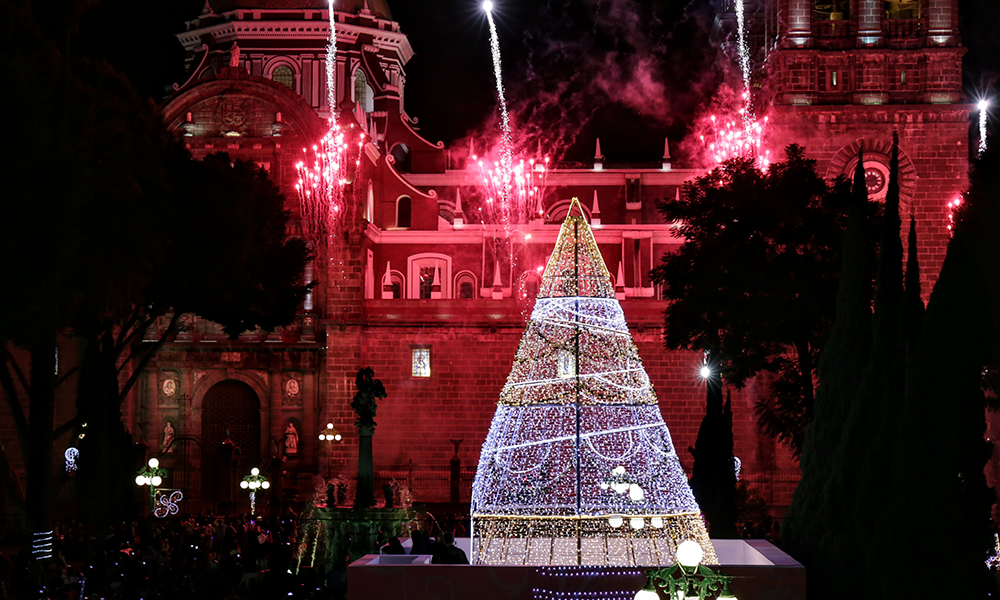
(578, 467)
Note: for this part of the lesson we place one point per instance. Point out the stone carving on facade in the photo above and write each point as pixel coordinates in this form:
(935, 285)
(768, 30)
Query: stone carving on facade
(234, 55)
(278, 126)
(168, 439)
(291, 439)
(197, 376)
(263, 376)
(232, 114)
(291, 388)
(169, 387)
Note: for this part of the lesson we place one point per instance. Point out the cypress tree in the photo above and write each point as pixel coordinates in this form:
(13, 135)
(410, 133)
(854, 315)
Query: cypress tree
(713, 477)
(841, 369)
(871, 429)
(942, 426)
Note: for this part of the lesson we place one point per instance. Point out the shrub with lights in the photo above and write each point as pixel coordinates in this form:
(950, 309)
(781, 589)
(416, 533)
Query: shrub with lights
(578, 466)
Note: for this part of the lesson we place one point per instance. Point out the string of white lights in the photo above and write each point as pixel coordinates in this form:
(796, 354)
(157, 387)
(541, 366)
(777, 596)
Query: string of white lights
(578, 466)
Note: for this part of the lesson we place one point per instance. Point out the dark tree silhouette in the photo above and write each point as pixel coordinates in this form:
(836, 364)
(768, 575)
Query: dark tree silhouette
(899, 484)
(100, 241)
(713, 477)
(756, 277)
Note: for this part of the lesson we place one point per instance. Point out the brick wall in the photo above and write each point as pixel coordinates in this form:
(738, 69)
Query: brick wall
(935, 139)
(469, 367)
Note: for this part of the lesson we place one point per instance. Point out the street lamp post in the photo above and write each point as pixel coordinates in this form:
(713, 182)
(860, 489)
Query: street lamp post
(688, 579)
(151, 475)
(253, 482)
(329, 435)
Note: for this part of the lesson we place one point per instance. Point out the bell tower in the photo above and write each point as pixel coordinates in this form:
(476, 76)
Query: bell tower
(844, 74)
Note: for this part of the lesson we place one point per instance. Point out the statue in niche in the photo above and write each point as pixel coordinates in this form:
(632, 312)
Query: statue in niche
(168, 439)
(291, 440)
(234, 56)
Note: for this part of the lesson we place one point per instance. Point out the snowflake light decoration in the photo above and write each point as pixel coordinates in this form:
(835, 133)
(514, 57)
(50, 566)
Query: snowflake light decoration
(578, 467)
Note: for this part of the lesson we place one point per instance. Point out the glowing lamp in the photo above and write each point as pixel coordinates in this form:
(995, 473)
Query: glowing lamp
(619, 487)
(705, 372)
(635, 493)
(689, 553)
(255, 471)
(156, 480)
(646, 593)
(637, 523)
(322, 437)
(140, 480)
(244, 484)
(337, 437)
(265, 484)
(984, 104)
(656, 522)
(616, 521)
(153, 463)
(618, 471)
(488, 6)
(329, 425)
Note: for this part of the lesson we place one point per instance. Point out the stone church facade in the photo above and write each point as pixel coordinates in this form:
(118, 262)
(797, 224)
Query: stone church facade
(412, 286)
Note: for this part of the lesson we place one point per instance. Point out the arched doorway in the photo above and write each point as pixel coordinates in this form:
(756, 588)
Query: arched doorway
(231, 414)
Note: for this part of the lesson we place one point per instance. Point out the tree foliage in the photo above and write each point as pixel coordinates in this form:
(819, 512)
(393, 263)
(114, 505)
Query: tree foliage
(893, 463)
(756, 277)
(109, 226)
(713, 477)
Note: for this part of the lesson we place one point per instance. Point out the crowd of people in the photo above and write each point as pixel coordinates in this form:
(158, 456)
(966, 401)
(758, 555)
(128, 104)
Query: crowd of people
(441, 548)
(234, 558)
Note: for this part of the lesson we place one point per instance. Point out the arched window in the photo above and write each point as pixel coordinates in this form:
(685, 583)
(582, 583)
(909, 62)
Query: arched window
(427, 275)
(422, 269)
(398, 285)
(465, 286)
(363, 93)
(284, 75)
(370, 206)
(403, 212)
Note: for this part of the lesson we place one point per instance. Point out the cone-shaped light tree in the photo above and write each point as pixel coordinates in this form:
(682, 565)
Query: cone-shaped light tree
(578, 466)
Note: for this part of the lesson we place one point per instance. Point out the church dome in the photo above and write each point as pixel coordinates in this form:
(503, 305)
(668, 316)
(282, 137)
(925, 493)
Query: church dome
(379, 8)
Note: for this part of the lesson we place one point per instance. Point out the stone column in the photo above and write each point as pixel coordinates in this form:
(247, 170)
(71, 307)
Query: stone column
(942, 22)
(365, 495)
(800, 14)
(869, 19)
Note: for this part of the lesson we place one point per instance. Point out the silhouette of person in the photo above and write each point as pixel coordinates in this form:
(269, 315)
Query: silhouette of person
(450, 554)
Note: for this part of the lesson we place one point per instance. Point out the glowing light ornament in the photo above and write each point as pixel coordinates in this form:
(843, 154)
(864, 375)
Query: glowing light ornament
(569, 461)
(983, 105)
(993, 561)
(166, 505)
(71, 455)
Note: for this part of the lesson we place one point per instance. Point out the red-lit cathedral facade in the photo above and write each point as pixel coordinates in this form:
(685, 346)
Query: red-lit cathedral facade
(412, 286)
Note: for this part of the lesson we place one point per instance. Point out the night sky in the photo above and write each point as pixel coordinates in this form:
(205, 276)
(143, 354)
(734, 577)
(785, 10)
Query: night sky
(629, 71)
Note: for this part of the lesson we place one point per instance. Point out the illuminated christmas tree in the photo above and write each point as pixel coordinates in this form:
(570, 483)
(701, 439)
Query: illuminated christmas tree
(578, 466)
